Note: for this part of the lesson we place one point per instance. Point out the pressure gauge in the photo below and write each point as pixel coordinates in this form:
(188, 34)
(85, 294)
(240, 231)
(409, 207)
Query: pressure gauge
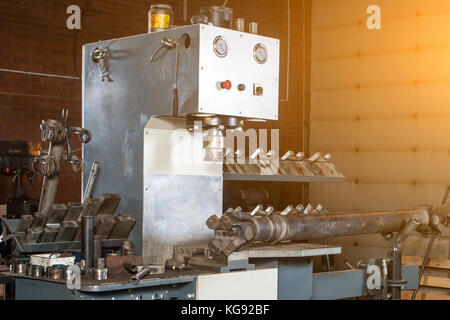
(221, 46)
(260, 53)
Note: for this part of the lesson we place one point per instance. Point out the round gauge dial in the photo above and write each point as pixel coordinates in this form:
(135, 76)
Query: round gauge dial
(260, 53)
(220, 46)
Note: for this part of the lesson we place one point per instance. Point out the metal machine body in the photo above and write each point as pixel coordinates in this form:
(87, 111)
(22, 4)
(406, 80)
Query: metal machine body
(149, 152)
(118, 110)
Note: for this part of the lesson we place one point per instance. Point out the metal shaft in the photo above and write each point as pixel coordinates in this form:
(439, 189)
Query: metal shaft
(396, 273)
(237, 228)
(298, 227)
(424, 263)
(50, 184)
(91, 181)
(87, 241)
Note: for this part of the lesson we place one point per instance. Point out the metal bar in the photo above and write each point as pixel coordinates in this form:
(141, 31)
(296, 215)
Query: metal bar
(299, 227)
(91, 181)
(296, 226)
(87, 241)
(424, 263)
(67, 246)
(279, 177)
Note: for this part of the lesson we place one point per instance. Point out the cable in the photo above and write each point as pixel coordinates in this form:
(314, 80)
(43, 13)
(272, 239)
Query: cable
(225, 3)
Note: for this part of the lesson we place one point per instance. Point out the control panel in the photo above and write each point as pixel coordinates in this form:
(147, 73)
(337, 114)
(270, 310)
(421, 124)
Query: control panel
(238, 73)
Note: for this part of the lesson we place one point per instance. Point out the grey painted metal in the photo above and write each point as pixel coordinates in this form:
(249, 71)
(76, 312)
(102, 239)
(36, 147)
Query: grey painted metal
(117, 111)
(294, 277)
(30, 289)
(67, 245)
(12, 224)
(352, 283)
(175, 211)
(279, 177)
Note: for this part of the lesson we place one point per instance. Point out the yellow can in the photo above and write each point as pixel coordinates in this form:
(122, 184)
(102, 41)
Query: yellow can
(160, 17)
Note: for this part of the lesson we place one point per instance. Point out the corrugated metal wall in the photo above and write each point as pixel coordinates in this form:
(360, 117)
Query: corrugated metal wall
(380, 103)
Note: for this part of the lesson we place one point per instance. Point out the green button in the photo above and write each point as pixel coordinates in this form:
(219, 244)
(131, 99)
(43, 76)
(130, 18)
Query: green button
(241, 87)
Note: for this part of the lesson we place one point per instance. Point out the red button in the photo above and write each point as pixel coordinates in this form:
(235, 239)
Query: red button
(226, 85)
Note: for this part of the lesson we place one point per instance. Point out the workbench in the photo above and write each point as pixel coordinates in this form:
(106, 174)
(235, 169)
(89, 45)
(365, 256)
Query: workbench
(292, 264)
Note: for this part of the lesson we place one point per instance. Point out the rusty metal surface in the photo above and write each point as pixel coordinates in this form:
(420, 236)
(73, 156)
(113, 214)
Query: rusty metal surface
(114, 264)
(73, 211)
(104, 225)
(237, 229)
(57, 213)
(122, 227)
(110, 202)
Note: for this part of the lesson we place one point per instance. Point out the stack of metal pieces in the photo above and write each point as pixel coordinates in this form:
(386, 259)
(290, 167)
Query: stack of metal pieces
(62, 222)
(290, 164)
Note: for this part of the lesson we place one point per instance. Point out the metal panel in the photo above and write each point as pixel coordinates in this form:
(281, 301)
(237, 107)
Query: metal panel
(116, 112)
(352, 283)
(175, 211)
(240, 67)
(240, 285)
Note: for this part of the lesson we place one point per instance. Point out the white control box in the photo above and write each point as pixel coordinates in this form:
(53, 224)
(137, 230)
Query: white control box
(238, 73)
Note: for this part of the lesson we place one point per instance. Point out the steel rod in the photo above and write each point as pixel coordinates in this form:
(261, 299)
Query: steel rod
(87, 241)
(424, 263)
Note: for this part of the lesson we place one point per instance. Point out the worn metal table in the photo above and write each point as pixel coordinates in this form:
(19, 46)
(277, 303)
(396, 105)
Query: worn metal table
(296, 280)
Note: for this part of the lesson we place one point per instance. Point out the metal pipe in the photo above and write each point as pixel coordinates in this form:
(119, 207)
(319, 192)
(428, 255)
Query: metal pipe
(299, 227)
(87, 241)
(275, 228)
(50, 184)
(91, 181)
(395, 280)
(424, 263)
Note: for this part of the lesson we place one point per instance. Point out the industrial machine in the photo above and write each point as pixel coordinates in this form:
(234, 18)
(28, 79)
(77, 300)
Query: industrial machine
(16, 161)
(164, 110)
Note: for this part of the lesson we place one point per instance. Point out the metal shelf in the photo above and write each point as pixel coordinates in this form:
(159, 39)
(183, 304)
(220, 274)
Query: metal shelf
(279, 177)
(67, 246)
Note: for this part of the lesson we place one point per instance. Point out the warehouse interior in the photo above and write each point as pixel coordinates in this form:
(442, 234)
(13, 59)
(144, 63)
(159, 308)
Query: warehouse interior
(120, 175)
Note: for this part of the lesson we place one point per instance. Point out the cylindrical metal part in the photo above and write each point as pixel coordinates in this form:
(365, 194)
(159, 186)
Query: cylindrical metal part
(29, 270)
(100, 274)
(127, 248)
(100, 263)
(240, 24)
(37, 271)
(87, 241)
(253, 27)
(20, 267)
(219, 16)
(98, 247)
(56, 272)
(396, 273)
(277, 228)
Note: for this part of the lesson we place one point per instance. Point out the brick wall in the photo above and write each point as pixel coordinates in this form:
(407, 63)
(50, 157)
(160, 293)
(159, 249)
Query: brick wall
(34, 38)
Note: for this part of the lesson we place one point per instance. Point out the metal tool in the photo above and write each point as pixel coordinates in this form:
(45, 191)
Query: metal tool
(241, 228)
(141, 272)
(184, 42)
(91, 181)
(100, 272)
